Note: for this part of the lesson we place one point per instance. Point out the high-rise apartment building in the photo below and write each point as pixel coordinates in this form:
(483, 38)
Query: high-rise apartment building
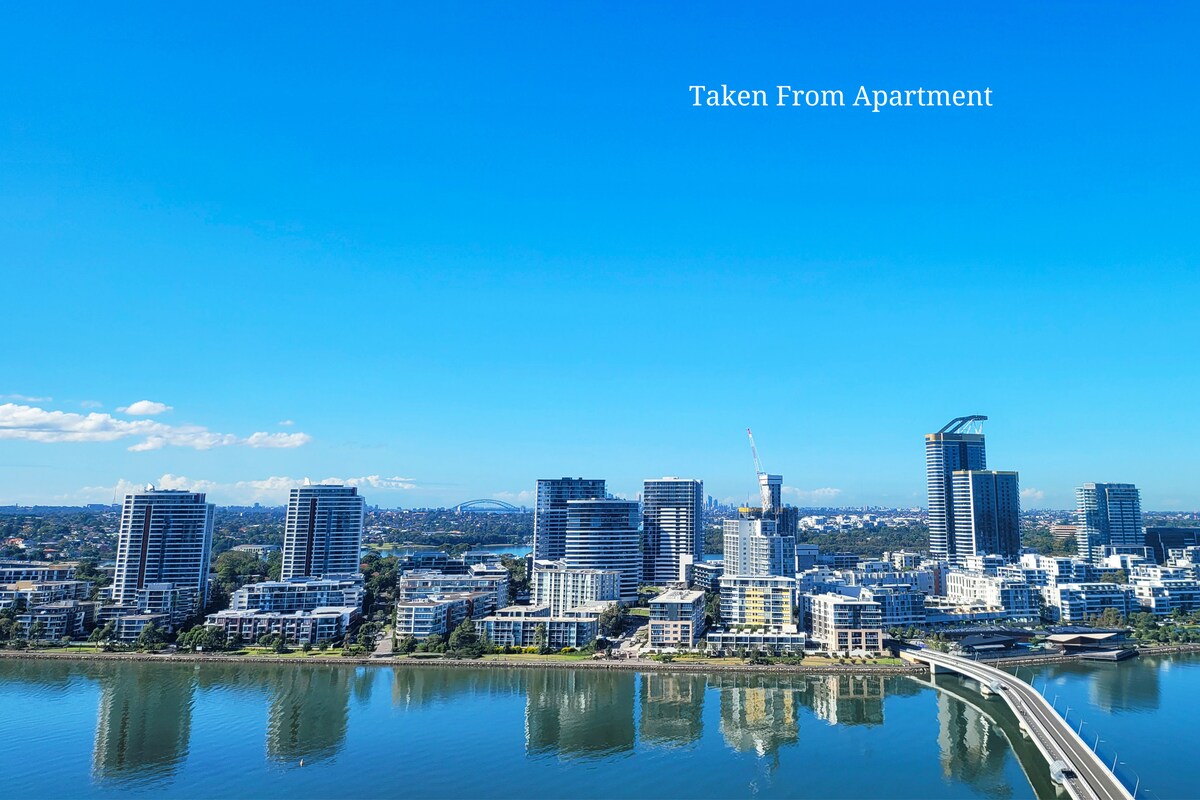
(757, 547)
(987, 513)
(550, 512)
(604, 534)
(771, 489)
(165, 537)
(323, 531)
(1107, 515)
(957, 446)
(672, 527)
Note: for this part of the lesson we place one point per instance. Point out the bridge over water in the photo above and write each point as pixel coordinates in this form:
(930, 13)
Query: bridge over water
(1072, 763)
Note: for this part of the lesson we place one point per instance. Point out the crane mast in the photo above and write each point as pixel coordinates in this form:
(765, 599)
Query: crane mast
(764, 490)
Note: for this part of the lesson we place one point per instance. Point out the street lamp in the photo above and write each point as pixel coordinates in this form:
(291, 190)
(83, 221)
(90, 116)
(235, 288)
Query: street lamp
(1137, 779)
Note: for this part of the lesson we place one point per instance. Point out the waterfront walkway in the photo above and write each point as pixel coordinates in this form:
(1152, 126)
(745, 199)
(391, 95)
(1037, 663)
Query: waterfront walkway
(1079, 770)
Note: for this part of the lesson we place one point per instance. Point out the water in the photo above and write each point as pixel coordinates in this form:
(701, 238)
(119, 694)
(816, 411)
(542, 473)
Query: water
(1138, 714)
(108, 729)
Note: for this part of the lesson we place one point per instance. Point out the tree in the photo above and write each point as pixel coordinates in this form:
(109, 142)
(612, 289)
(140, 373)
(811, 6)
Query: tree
(465, 642)
(150, 637)
(712, 609)
(518, 580)
(207, 639)
(406, 644)
(539, 637)
(612, 619)
(1114, 576)
(106, 636)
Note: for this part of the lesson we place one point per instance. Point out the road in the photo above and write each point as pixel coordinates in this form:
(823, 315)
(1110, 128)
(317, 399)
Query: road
(1093, 780)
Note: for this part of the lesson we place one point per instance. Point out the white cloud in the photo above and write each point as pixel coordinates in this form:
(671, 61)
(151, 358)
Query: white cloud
(272, 490)
(819, 496)
(285, 423)
(523, 497)
(145, 408)
(90, 404)
(34, 424)
(261, 439)
(1033, 495)
(24, 398)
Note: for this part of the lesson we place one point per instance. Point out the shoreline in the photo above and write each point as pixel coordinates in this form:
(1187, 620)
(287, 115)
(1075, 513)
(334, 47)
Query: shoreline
(626, 666)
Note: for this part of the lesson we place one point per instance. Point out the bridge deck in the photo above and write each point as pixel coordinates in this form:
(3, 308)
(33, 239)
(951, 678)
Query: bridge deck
(1089, 778)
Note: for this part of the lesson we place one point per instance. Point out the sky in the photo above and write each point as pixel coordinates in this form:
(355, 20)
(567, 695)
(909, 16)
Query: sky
(442, 250)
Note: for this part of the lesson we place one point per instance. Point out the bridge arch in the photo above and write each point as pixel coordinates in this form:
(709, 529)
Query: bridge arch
(487, 504)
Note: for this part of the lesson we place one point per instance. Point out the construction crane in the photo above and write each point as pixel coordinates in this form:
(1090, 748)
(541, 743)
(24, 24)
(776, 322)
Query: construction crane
(764, 489)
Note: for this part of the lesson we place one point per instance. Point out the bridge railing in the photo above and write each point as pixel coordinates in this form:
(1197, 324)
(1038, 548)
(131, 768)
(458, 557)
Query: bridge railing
(1092, 736)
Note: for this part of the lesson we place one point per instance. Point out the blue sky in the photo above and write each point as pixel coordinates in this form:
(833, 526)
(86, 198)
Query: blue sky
(446, 251)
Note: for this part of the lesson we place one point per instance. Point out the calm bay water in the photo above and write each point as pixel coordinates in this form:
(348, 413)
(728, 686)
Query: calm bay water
(96, 729)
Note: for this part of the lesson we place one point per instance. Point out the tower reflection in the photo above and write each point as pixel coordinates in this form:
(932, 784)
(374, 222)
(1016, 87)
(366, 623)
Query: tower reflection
(579, 713)
(144, 721)
(672, 707)
(308, 714)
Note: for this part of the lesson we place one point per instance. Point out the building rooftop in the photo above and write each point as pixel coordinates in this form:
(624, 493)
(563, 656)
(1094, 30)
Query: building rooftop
(684, 596)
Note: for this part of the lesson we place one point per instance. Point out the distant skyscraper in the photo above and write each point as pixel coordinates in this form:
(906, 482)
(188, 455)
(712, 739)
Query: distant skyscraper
(323, 531)
(757, 547)
(672, 526)
(948, 450)
(165, 537)
(1107, 514)
(550, 513)
(987, 513)
(604, 534)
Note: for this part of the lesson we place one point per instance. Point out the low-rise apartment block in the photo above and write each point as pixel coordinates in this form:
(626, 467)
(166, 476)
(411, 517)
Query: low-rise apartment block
(843, 624)
(676, 619)
(519, 626)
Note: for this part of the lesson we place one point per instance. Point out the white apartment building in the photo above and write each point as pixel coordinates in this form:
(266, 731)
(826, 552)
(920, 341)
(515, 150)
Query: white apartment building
(562, 588)
(756, 547)
(1013, 596)
(843, 624)
(1075, 603)
(518, 626)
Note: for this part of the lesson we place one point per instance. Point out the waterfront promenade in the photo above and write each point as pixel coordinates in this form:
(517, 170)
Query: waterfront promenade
(1078, 768)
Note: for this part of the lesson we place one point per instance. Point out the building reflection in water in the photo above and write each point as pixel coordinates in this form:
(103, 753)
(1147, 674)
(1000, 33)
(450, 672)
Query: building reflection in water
(144, 721)
(579, 713)
(848, 699)
(973, 747)
(759, 713)
(308, 714)
(1119, 687)
(672, 705)
(419, 686)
